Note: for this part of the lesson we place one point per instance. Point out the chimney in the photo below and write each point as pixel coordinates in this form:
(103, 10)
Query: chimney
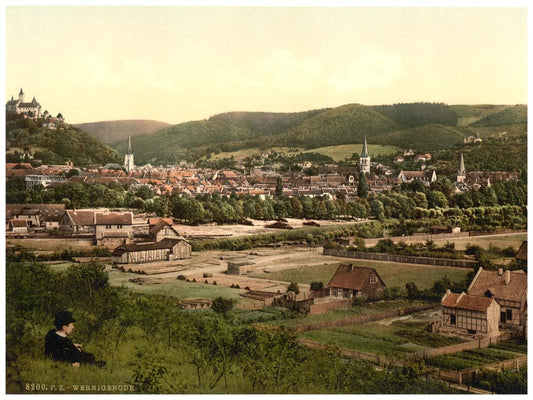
(507, 276)
(500, 271)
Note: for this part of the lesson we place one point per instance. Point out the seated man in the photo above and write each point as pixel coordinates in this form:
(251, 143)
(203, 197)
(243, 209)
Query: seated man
(61, 348)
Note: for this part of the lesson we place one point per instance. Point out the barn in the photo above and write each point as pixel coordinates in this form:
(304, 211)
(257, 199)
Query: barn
(164, 250)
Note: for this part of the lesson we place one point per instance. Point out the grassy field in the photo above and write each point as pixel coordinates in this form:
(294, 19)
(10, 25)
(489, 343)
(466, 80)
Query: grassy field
(470, 358)
(400, 337)
(503, 241)
(176, 288)
(240, 155)
(340, 152)
(393, 274)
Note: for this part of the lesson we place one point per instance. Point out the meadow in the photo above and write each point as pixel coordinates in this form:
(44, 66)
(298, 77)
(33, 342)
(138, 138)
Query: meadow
(392, 274)
(345, 151)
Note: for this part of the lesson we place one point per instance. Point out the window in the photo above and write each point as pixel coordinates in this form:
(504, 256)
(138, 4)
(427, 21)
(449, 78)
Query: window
(509, 315)
(119, 226)
(108, 226)
(452, 319)
(373, 279)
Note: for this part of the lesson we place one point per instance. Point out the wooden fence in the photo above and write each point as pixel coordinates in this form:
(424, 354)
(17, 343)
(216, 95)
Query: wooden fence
(442, 262)
(473, 344)
(419, 237)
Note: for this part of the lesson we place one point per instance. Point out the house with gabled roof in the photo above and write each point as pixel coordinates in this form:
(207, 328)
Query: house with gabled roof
(350, 281)
(163, 230)
(103, 224)
(471, 314)
(508, 288)
(494, 300)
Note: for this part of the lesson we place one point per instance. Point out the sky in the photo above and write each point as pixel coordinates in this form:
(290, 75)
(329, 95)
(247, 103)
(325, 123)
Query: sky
(178, 64)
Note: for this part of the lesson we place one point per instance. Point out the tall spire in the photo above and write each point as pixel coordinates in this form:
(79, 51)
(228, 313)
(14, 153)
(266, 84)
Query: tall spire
(365, 150)
(129, 144)
(364, 159)
(462, 170)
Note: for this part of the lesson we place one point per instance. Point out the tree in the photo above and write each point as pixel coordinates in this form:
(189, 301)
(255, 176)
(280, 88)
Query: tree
(412, 291)
(362, 186)
(279, 186)
(316, 285)
(222, 306)
(293, 287)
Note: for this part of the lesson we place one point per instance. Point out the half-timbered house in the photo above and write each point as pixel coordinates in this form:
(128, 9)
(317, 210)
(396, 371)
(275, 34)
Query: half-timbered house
(508, 288)
(471, 314)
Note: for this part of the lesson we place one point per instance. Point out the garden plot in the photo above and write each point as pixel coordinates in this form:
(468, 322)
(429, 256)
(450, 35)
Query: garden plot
(393, 337)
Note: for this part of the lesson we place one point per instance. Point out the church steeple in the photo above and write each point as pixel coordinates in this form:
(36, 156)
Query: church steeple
(461, 173)
(364, 153)
(364, 159)
(21, 96)
(129, 164)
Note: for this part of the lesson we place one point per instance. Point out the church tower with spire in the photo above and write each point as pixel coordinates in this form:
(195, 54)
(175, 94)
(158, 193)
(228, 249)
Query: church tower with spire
(461, 173)
(128, 158)
(364, 160)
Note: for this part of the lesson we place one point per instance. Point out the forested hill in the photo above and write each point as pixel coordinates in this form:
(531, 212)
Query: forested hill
(112, 131)
(508, 116)
(28, 136)
(422, 126)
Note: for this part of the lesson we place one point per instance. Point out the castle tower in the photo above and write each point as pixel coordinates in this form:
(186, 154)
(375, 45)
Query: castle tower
(461, 173)
(21, 96)
(128, 158)
(364, 160)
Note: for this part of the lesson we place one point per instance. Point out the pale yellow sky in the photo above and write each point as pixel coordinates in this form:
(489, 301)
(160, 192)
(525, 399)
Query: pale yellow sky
(177, 64)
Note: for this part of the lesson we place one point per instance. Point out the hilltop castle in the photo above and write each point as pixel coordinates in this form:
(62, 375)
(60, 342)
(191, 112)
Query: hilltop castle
(29, 110)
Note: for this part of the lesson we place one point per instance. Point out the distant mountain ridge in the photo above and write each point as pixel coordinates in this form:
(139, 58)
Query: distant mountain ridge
(422, 126)
(112, 131)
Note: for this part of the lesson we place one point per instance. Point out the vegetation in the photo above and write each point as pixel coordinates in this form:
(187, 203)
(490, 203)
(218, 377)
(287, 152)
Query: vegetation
(418, 114)
(508, 116)
(469, 358)
(113, 131)
(54, 146)
(507, 381)
(151, 346)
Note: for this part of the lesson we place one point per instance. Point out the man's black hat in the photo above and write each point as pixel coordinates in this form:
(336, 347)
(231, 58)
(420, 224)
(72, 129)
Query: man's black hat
(63, 318)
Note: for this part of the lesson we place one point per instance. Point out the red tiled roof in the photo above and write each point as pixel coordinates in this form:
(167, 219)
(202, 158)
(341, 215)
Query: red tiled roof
(466, 302)
(81, 218)
(353, 278)
(485, 279)
(113, 218)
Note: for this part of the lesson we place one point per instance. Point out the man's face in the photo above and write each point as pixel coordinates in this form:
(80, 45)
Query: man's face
(68, 328)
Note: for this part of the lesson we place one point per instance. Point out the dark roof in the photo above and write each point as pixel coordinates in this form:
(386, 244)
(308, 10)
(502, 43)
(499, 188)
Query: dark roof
(522, 251)
(466, 302)
(163, 244)
(355, 278)
(492, 280)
